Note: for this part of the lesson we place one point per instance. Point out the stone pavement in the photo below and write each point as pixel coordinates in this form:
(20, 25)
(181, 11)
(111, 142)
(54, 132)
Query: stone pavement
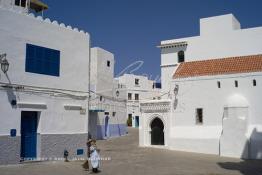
(129, 159)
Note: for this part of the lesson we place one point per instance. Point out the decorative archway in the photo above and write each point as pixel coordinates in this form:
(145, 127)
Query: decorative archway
(157, 132)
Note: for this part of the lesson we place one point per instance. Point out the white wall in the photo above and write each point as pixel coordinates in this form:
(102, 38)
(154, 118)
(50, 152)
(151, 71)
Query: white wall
(15, 31)
(18, 29)
(102, 76)
(144, 89)
(219, 37)
(10, 4)
(202, 92)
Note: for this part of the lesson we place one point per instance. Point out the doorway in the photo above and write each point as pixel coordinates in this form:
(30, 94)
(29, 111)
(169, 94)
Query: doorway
(157, 132)
(107, 133)
(28, 134)
(233, 140)
(137, 121)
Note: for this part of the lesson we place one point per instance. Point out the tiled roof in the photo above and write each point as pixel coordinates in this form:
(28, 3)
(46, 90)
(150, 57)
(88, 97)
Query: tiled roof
(232, 65)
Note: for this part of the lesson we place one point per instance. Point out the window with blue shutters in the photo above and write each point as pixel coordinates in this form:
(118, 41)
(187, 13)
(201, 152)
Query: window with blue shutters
(42, 60)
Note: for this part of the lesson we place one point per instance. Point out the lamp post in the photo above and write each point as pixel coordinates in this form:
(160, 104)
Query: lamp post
(4, 63)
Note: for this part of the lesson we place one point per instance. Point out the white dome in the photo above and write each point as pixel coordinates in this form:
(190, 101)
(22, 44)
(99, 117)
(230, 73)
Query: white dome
(237, 100)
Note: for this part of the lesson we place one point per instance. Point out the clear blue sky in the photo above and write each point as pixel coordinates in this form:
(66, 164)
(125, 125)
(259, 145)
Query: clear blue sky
(131, 29)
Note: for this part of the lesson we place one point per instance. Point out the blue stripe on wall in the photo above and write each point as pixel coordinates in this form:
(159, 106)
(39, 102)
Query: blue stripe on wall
(115, 130)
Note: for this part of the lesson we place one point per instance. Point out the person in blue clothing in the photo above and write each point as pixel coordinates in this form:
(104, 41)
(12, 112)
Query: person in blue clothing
(107, 135)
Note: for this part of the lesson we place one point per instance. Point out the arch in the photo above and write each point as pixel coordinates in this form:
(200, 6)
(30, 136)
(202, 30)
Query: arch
(157, 131)
(237, 100)
(181, 56)
(152, 117)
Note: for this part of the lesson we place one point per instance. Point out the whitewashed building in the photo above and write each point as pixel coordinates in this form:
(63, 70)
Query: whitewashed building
(107, 107)
(214, 84)
(137, 88)
(44, 93)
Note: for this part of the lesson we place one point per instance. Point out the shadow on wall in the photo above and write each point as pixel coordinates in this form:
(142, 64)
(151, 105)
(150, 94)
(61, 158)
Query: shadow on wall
(255, 151)
(249, 167)
(10, 93)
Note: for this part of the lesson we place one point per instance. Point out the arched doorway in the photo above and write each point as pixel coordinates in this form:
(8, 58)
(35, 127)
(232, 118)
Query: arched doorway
(157, 132)
(235, 126)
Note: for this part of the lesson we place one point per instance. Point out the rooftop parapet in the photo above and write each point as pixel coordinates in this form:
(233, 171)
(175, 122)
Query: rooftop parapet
(218, 24)
(45, 20)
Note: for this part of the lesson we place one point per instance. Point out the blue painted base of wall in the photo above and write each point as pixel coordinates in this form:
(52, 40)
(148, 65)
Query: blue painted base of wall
(115, 130)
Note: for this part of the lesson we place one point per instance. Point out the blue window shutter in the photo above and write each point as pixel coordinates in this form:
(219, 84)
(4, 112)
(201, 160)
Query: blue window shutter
(79, 152)
(42, 60)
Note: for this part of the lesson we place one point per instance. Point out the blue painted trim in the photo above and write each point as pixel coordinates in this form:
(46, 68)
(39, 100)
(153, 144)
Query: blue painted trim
(136, 121)
(80, 152)
(96, 110)
(13, 132)
(114, 130)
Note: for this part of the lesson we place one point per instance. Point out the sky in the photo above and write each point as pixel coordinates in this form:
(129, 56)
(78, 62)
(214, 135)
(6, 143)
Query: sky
(131, 29)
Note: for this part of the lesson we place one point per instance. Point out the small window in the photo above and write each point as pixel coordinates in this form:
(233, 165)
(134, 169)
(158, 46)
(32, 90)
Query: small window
(181, 56)
(108, 63)
(136, 81)
(236, 83)
(129, 96)
(114, 114)
(23, 3)
(254, 82)
(101, 98)
(106, 113)
(136, 96)
(218, 84)
(199, 116)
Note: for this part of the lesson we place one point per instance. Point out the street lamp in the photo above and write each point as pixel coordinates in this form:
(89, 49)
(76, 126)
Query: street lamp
(4, 63)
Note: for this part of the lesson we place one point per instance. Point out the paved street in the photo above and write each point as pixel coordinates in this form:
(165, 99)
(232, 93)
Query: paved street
(127, 158)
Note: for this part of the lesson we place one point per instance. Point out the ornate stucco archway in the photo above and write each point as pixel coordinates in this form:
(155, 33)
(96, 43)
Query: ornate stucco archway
(157, 132)
(150, 111)
(149, 121)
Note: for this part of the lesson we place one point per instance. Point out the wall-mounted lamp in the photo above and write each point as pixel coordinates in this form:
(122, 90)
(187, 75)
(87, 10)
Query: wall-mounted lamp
(4, 63)
(176, 89)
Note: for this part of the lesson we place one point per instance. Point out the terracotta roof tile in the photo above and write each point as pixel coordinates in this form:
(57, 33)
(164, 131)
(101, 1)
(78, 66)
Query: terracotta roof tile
(231, 65)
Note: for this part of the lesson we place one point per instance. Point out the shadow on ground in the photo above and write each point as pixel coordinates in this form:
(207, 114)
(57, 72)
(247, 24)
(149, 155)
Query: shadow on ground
(246, 167)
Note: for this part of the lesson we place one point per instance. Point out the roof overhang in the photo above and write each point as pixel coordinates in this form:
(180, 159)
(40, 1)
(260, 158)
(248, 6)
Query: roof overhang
(37, 5)
(171, 45)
